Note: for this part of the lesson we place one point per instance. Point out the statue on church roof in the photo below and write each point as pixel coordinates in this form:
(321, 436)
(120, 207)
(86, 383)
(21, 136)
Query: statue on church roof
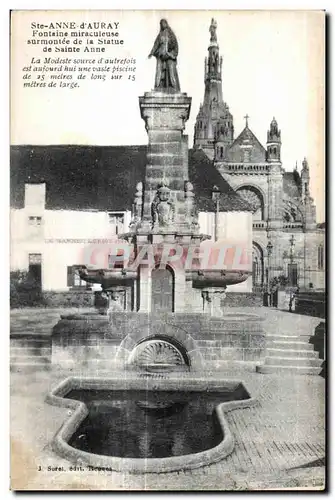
(212, 30)
(274, 127)
(165, 49)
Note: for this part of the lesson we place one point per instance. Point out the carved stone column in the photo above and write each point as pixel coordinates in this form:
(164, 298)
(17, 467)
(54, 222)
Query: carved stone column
(145, 289)
(165, 116)
(212, 300)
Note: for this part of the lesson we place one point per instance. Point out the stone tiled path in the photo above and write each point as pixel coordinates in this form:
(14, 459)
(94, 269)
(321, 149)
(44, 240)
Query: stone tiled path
(40, 320)
(286, 429)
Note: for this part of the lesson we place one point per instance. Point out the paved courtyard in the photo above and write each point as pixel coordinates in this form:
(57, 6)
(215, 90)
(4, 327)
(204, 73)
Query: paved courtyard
(279, 443)
(41, 320)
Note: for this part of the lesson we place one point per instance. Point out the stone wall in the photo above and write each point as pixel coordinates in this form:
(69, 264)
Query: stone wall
(53, 299)
(311, 303)
(90, 341)
(242, 300)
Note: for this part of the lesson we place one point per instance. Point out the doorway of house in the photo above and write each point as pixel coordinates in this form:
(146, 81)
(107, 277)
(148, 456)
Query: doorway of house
(162, 296)
(35, 269)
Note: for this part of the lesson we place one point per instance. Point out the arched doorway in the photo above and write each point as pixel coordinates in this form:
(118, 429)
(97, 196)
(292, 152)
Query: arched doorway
(257, 266)
(162, 290)
(254, 197)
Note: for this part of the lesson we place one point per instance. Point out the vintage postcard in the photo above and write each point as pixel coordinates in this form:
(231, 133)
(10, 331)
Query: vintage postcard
(167, 278)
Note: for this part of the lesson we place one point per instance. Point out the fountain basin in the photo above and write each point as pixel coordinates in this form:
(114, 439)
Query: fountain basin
(153, 396)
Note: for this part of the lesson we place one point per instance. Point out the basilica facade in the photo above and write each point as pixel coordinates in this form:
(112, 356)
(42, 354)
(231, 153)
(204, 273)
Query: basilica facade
(286, 239)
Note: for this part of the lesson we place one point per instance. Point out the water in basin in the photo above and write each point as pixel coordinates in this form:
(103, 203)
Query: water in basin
(150, 424)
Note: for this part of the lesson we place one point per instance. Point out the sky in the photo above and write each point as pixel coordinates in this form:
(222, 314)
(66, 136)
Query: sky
(273, 66)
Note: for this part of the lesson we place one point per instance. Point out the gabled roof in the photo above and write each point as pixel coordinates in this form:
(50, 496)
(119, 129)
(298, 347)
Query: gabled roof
(79, 177)
(105, 177)
(235, 154)
(204, 176)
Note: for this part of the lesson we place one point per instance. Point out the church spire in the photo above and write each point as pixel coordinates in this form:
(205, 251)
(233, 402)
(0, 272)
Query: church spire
(213, 63)
(214, 129)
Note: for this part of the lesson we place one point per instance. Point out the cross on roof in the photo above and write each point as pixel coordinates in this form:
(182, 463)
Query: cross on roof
(246, 119)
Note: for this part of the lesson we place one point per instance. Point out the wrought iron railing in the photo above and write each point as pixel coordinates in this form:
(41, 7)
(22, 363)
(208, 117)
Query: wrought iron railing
(293, 225)
(259, 224)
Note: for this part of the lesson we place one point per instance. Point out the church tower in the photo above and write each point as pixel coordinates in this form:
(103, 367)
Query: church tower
(273, 144)
(275, 177)
(305, 181)
(214, 129)
(309, 210)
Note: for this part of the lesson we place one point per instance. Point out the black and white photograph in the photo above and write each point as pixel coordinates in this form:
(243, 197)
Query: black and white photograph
(167, 250)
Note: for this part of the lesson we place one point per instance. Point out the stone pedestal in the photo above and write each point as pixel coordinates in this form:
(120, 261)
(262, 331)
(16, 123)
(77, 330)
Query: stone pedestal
(168, 217)
(212, 300)
(167, 163)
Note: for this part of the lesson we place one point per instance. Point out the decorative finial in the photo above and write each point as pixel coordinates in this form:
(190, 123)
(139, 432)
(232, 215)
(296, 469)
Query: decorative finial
(305, 164)
(212, 30)
(246, 117)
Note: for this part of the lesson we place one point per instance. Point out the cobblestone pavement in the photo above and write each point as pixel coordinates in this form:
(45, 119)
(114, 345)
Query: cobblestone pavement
(285, 430)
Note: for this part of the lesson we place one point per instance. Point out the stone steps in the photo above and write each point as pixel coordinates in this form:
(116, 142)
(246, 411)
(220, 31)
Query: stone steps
(208, 343)
(290, 354)
(23, 358)
(290, 361)
(30, 353)
(26, 367)
(302, 370)
(30, 341)
(300, 346)
(283, 338)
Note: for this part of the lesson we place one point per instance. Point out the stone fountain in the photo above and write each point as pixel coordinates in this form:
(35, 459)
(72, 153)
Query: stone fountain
(163, 301)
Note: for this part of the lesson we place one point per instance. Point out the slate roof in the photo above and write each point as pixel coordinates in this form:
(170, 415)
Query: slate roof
(235, 154)
(204, 176)
(105, 177)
